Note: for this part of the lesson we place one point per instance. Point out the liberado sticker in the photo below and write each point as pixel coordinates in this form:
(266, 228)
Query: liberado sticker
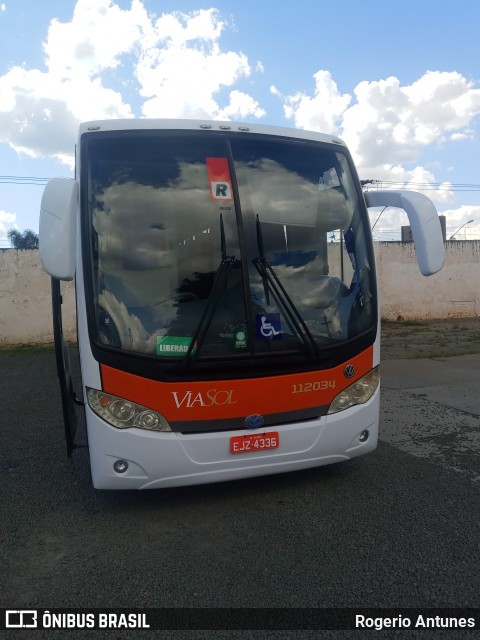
(172, 346)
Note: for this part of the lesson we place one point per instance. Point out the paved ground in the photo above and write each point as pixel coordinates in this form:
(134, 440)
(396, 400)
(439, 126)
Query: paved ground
(431, 409)
(400, 527)
(431, 392)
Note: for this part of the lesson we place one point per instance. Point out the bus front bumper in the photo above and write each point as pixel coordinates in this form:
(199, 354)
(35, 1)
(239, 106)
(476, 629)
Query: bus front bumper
(159, 460)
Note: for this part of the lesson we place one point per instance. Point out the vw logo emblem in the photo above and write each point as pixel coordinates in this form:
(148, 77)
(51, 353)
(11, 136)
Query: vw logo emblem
(349, 371)
(254, 421)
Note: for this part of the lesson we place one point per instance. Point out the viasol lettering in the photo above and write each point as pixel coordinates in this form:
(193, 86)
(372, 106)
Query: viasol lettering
(211, 397)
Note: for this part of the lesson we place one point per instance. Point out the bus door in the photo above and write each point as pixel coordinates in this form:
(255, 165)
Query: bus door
(62, 357)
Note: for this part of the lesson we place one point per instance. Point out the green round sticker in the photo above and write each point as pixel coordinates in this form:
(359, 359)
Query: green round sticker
(240, 340)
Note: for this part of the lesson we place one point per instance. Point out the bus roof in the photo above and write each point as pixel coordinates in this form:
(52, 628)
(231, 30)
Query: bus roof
(139, 124)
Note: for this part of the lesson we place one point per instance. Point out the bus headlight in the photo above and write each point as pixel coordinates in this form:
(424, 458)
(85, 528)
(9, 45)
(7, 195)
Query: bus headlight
(123, 414)
(358, 393)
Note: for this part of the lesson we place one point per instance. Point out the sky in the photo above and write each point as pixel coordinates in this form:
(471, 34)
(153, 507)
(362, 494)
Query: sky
(398, 82)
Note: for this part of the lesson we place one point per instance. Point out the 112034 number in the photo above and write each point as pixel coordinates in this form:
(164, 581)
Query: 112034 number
(313, 386)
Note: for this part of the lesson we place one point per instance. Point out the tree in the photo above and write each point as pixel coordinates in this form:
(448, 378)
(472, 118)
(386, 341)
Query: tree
(27, 239)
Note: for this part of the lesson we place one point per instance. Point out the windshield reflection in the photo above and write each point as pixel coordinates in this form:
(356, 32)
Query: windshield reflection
(169, 270)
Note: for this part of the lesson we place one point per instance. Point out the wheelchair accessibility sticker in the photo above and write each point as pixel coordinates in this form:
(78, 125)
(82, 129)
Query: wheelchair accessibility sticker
(268, 326)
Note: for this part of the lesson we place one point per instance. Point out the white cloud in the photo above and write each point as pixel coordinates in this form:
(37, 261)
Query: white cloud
(418, 178)
(174, 63)
(181, 67)
(94, 40)
(7, 220)
(462, 217)
(241, 106)
(389, 125)
(323, 111)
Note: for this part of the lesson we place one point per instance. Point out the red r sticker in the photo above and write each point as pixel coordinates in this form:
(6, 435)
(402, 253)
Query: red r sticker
(219, 179)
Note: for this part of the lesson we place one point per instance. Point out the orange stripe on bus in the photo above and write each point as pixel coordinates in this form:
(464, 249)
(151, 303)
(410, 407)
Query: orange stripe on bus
(216, 399)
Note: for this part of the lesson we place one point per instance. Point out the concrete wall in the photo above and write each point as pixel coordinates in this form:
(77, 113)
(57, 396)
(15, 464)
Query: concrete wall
(405, 293)
(25, 301)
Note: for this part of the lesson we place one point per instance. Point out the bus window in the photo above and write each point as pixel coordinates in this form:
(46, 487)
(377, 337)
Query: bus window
(181, 266)
(302, 196)
(157, 244)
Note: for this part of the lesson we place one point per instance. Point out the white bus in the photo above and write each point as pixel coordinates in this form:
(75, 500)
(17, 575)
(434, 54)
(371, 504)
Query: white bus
(227, 311)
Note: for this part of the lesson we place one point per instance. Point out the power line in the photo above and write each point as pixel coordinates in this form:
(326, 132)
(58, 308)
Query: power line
(33, 180)
(419, 186)
(422, 186)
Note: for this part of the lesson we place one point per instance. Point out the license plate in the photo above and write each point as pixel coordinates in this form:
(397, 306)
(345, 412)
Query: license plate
(255, 442)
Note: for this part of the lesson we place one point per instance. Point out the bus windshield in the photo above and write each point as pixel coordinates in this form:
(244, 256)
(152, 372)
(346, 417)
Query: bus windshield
(216, 245)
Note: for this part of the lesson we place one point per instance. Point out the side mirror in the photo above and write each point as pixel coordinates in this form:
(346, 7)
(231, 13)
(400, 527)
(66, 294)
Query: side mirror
(57, 228)
(424, 223)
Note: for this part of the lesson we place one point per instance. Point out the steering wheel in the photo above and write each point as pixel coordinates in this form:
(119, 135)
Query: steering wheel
(107, 329)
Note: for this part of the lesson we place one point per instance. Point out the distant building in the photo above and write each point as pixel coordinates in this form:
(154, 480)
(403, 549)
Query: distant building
(407, 232)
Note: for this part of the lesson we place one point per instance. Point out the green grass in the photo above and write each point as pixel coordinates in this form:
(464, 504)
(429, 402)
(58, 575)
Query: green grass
(413, 323)
(26, 350)
(400, 324)
(433, 355)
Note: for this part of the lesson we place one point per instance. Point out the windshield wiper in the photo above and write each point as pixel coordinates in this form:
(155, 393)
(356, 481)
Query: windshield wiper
(271, 282)
(221, 279)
